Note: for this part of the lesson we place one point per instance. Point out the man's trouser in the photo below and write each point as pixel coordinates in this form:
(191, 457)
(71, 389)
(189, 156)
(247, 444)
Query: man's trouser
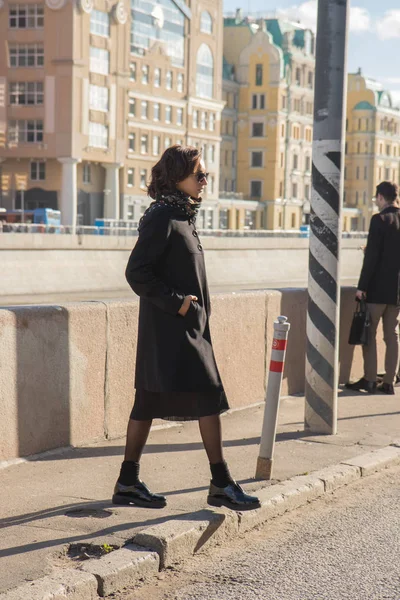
(389, 314)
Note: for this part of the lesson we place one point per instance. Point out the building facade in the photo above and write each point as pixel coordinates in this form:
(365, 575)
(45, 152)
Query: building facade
(273, 64)
(372, 146)
(95, 91)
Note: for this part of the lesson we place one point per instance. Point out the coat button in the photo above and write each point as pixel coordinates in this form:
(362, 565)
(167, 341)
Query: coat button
(200, 247)
(194, 233)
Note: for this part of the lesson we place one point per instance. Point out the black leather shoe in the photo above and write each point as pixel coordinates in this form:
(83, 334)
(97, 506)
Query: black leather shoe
(381, 376)
(232, 496)
(138, 494)
(362, 386)
(385, 388)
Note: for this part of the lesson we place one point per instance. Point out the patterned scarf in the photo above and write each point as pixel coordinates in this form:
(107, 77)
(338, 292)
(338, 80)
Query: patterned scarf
(189, 206)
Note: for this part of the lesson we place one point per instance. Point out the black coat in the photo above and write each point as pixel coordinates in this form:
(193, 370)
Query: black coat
(380, 275)
(174, 353)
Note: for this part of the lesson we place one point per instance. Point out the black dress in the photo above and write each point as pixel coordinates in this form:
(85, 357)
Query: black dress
(176, 373)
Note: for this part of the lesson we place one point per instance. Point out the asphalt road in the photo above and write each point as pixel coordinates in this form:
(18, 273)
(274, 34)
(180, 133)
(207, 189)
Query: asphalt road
(345, 546)
(126, 294)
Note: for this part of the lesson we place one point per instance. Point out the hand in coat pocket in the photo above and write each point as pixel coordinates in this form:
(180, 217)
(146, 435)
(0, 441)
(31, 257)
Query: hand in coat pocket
(186, 305)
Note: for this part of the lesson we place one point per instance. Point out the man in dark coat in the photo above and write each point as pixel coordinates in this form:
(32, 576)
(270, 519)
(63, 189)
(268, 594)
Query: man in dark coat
(380, 284)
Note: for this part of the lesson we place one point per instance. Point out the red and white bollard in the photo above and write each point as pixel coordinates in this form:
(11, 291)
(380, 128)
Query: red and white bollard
(267, 444)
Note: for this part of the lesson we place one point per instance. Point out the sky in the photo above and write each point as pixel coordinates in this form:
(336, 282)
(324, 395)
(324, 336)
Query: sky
(374, 39)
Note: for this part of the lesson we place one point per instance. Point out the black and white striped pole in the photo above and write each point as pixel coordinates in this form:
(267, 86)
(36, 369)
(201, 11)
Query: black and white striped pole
(325, 219)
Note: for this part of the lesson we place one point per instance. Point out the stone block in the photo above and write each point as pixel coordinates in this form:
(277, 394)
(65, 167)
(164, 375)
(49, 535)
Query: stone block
(63, 584)
(376, 460)
(122, 568)
(238, 334)
(337, 476)
(177, 539)
(122, 328)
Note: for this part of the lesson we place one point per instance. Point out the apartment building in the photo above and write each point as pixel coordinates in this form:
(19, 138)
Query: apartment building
(94, 91)
(273, 64)
(372, 146)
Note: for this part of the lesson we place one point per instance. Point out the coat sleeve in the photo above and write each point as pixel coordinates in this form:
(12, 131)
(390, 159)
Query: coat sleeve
(372, 252)
(141, 271)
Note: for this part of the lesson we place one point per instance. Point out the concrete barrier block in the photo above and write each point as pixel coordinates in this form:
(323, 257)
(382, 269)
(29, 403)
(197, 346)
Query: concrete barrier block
(238, 334)
(294, 307)
(180, 538)
(9, 367)
(87, 364)
(63, 584)
(376, 460)
(337, 476)
(122, 568)
(122, 328)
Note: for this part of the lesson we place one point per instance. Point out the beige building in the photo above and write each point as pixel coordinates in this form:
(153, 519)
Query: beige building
(272, 63)
(372, 147)
(95, 91)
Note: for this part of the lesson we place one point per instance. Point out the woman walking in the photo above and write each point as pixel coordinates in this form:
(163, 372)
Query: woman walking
(176, 374)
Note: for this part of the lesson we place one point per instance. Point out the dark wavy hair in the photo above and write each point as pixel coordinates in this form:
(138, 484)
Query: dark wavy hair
(177, 163)
(388, 190)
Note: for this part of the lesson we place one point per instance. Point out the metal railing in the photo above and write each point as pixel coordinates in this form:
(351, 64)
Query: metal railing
(129, 232)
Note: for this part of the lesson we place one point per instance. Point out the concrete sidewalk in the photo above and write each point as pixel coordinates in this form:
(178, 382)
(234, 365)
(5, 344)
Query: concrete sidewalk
(64, 497)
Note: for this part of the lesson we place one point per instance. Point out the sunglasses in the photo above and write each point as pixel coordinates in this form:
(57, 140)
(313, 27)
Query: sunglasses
(200, 176)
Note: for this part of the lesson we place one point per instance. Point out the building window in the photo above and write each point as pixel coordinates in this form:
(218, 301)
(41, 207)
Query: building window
(308, 164)
(365, 173)
(26, 16)
(254, 102)
(256, 159)
(86, 173)
(205, 72)
(262, 101)
(168, 114)
(179, 116)
(144, 144)
(255, 189)
(203, 122)
(179, 83)
(283, 130)
(156, 111)
(98, 135)
(195, 119)
(298, 77)
(179, 142)
(212, 184)
(295, 162)
(132, 71)
(226, 157)
(296, 132)
(387, 174)
(26, 93)
(99, 61)
(144, 109)
(307, 192)
(364, 198)
(157, 77)
(388, 152)
(212, 154)
(167, 142)
(26, 55)
(28, 131)
(358, 173)
(284, 102)
(206, 22)
(204, 153)
(143, 178)
(308, 133)
(100, 23)
(258, 129)
(294, 190)
(356, 198)
(145, 74)
(132, 107)
(98, 98)
(131, 142)
(293, 221)
(282, 160)
(212, 122)
(131, 177)
(156, 145)
(259, 75)
(310, 80)
(168, 80)
(38, 170)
